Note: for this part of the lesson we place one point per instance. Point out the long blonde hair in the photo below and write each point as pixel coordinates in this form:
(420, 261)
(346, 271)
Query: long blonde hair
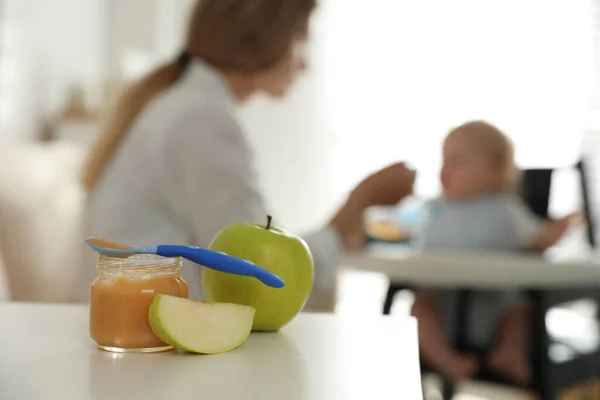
(244, 36)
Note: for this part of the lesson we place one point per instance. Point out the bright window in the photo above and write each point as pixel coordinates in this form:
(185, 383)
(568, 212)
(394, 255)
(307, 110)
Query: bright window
(400, 74)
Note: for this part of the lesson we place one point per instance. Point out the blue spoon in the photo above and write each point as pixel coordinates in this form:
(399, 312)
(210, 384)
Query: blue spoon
(207, 258)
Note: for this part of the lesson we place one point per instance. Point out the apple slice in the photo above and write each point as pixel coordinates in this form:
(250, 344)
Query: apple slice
(198, 326)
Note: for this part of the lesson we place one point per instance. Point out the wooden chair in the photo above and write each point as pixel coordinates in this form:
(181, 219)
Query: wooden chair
(535, 190)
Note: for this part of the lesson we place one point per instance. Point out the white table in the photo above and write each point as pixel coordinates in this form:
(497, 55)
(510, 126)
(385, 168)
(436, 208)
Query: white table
(451, 269)
(46, 353)
(556, 277)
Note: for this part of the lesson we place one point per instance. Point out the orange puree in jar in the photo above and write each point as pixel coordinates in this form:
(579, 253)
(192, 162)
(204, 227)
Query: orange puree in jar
(121, 296)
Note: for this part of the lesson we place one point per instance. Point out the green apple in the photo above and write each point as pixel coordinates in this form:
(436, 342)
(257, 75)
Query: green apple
(198, 326)
(273, 249)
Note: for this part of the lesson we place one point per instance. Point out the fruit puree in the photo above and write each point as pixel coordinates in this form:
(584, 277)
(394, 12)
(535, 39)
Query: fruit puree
(119, 306)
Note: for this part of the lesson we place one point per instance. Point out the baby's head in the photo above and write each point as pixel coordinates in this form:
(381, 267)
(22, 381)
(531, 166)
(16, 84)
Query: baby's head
(477, 159)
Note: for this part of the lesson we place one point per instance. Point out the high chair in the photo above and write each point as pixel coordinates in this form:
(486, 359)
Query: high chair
(535, 190)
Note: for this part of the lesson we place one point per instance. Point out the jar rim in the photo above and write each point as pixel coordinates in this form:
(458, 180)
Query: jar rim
(139, 263)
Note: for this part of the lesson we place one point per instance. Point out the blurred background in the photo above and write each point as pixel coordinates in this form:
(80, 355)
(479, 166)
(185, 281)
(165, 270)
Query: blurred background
(387, 80)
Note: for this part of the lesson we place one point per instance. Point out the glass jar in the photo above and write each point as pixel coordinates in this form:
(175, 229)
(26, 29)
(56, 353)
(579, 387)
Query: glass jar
(121, 296)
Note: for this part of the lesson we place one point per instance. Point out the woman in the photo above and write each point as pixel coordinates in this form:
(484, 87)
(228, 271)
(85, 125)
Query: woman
(174, 165)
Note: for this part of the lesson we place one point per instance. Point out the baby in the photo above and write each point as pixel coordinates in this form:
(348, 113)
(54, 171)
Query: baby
(480, 211)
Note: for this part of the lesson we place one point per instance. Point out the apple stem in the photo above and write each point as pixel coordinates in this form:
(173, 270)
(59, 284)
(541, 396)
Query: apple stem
(269, 219)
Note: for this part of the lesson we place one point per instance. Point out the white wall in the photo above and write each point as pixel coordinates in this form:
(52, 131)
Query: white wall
(47, 46)
(71, 46)
(15, 68)
(132, 36)
(292, 143)
(143, 33)
(172, 20)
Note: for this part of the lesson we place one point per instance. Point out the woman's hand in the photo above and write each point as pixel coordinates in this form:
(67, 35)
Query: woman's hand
(385, 187)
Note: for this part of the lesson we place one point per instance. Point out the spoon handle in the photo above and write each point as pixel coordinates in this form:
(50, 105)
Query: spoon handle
(221, 262)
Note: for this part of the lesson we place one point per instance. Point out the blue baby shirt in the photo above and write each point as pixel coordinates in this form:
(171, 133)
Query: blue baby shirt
(491, 223)
(498, 222)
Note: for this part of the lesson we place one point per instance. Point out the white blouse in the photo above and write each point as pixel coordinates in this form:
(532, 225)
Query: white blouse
(184, 171)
